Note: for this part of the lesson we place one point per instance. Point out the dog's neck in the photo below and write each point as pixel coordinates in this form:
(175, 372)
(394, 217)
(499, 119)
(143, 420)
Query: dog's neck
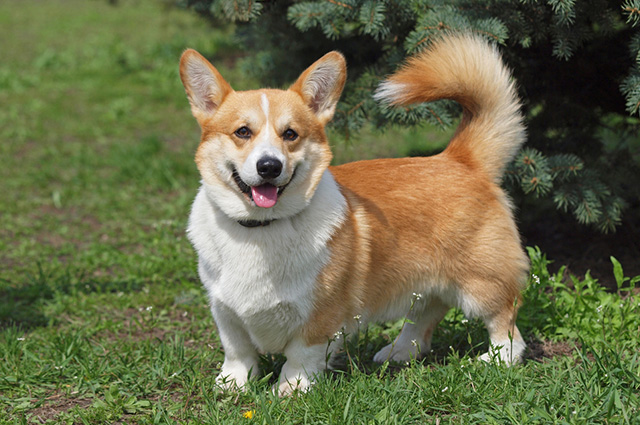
(255, 223)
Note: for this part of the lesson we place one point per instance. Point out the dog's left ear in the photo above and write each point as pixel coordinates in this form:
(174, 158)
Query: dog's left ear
(321, 84)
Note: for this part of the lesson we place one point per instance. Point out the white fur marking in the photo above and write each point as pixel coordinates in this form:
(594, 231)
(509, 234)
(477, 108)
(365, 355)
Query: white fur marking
(389, 92)
(262, 279)
(303, 365)
(508, 352)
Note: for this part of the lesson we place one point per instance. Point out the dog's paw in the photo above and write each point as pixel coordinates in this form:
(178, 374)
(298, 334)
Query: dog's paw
(399, 353)
(228, 383)
(290, 386)
(234, 375)
(508, 354)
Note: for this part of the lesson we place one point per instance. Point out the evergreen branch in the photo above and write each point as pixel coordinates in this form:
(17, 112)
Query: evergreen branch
(239, 10)
(440, 27)
(488, 34)
(586, 213)
(306, 15)
(337, 3)
(632, 9)
(436, 117)
(372, 17)
(356, 107)
(492, 29)
(564, 10)
(565, 166)
(630, 87)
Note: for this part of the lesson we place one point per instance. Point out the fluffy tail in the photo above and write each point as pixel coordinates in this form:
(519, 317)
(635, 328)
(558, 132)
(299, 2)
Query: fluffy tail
(469, 70)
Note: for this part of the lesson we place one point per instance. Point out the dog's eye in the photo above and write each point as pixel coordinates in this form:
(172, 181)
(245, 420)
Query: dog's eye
(289, 135)
(243, 132)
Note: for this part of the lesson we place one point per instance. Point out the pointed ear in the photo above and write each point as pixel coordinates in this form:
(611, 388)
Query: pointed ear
(321, 84)
(205, 86)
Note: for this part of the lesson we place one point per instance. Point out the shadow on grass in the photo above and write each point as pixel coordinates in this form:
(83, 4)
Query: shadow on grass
(22, 304)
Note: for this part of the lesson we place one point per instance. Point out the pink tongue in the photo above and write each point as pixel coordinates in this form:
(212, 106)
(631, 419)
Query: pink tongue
(265, 195)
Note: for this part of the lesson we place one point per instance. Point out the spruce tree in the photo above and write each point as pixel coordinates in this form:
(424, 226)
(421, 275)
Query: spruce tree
(577, 63)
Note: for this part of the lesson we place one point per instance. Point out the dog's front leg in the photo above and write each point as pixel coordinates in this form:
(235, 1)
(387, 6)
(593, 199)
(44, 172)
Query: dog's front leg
(303, 364)
(240, 355)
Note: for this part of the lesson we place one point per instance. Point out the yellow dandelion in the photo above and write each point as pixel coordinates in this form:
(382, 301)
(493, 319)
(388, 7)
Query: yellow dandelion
(249, 414)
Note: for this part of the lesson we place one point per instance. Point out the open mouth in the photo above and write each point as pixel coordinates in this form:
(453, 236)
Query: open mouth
(265, 195)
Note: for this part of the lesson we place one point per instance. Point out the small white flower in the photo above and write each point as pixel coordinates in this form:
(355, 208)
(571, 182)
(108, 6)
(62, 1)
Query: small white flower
(149, 308)
(357, 318)
(599, 308)
(445, 389)
(417, 296)
(464, 321)
(420, 401)
(536, 279)
(574, 412)
(21, 339)
(414, 342)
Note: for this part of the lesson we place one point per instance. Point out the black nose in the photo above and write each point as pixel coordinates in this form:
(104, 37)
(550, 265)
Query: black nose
(269, 168)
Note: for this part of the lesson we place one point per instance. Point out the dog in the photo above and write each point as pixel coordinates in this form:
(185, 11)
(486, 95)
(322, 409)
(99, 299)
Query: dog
(292, 251)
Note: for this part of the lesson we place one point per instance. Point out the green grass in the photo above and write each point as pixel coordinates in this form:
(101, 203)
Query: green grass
(102, 316)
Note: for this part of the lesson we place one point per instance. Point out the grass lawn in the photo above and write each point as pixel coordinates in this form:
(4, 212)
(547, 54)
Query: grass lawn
(102, 316)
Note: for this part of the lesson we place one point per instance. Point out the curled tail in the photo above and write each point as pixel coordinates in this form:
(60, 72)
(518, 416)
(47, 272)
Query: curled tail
(469, 70)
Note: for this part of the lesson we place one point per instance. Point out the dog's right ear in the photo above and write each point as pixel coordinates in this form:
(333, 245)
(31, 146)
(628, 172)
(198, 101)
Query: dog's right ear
(205, 86)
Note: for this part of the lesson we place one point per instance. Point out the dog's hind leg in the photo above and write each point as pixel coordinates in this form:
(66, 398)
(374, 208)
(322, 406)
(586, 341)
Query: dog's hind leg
(304, 364)
(507, 344)
(415, 338)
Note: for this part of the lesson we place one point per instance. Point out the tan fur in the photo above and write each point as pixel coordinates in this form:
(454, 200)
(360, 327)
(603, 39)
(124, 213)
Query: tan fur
(442, 219)
(430, 217)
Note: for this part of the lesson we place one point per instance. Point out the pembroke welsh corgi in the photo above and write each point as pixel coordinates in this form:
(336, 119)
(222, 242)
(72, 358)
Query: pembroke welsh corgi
(292, 251)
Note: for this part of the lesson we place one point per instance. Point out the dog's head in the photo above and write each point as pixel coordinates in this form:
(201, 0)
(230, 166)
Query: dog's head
(262, 152)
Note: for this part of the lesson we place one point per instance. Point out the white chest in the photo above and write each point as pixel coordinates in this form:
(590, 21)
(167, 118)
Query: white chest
(266, 276)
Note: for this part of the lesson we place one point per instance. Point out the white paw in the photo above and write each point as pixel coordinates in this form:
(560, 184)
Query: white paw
(227, 383)
(300, 383)
(234, 375)
(400, 353)
(509, 353)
